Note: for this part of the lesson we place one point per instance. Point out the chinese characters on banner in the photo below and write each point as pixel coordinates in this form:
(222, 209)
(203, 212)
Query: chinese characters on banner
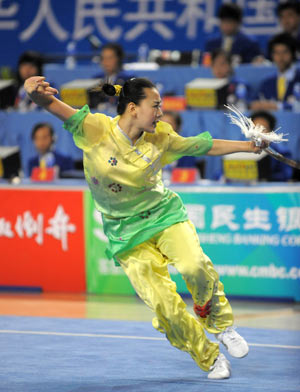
(42, 241)
(27, 226)
(288, 218)
(171, 24)
(253, 239)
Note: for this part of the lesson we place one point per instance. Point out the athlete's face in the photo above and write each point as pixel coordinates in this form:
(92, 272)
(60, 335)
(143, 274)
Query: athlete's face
(148, 111)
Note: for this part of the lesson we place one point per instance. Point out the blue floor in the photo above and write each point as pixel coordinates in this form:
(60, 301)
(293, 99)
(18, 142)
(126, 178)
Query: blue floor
(81, 356)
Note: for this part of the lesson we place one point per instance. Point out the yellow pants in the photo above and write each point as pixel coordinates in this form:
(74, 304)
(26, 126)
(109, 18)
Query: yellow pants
(146, 267)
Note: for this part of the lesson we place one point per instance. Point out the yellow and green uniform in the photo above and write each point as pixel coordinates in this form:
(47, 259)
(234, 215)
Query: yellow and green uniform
(142, 218)
(125, 179)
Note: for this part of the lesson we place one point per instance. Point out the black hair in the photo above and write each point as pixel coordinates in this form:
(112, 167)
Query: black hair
(221, 52)
(41, 125)
(288, 5)
(177, 118)
(32, 57)
(267, 116)
(118, 50)
(132, 91)
(283, 39)
(231, 12)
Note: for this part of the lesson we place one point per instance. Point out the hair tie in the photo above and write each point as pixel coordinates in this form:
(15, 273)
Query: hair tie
(118, 89)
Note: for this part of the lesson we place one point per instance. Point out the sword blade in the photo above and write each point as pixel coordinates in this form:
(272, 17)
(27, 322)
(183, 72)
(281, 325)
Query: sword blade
(269, 150)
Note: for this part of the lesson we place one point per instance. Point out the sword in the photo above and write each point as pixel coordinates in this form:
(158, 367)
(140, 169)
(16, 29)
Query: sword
(257, 134)
(276, 155)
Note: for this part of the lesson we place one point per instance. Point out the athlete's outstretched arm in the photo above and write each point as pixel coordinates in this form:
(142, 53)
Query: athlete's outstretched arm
(42, 94)
(222, 147)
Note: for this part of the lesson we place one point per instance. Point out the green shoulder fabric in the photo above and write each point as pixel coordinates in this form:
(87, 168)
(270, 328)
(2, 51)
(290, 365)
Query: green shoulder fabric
(75, 122)
(209, 141)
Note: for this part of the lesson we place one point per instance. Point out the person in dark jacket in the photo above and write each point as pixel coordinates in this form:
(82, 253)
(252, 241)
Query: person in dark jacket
(289, 19)
(111, 63)
(30, 63)
(237, 91)
(280, 91)
(43, 137)
(273, 169)
(242, 47)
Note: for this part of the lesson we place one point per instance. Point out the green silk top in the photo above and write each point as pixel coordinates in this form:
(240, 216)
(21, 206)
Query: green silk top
(125, 178)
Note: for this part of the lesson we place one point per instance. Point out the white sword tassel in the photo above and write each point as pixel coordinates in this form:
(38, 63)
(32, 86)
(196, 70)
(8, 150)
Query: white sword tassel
(255, 132)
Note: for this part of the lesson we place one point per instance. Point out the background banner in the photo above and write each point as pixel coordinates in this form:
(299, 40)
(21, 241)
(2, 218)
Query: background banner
(103, 277)
(253, 239)
(42, 240)
(48, 25)
(52, 238)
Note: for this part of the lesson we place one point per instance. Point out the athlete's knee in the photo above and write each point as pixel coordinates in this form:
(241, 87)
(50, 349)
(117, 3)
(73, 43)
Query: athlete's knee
(194, 270)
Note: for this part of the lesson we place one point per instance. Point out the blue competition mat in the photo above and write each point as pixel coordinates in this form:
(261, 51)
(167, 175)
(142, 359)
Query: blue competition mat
(79, 355)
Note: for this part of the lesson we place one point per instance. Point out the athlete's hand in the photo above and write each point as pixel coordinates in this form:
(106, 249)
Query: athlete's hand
(258, 149)
(38, 85)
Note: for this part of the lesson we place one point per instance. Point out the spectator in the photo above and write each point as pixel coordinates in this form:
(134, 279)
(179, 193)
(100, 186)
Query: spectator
(30, 64)
(174, 119)
(111, 62)
(273, 170)
(280, 91)
(237, 91)
(242, 47)
(289, 17)
(268, 168)
(43, 137)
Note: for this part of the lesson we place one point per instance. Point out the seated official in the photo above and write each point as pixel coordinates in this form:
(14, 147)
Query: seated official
(111, 63)
(242, 47)
(43, 137)
(280, 91)
(273, 169)
(289, 20)
(254, 167)
(237, 91)
(30, 63)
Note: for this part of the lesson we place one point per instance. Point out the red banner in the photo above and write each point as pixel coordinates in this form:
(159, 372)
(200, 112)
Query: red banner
(42, 239)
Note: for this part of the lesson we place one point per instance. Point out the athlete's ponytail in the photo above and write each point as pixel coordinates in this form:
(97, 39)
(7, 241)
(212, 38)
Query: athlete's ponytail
(112, 90)
(132, 91)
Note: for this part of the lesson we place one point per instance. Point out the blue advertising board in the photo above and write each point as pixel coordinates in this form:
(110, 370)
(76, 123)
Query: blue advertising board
(252, 236)
(49, 25)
